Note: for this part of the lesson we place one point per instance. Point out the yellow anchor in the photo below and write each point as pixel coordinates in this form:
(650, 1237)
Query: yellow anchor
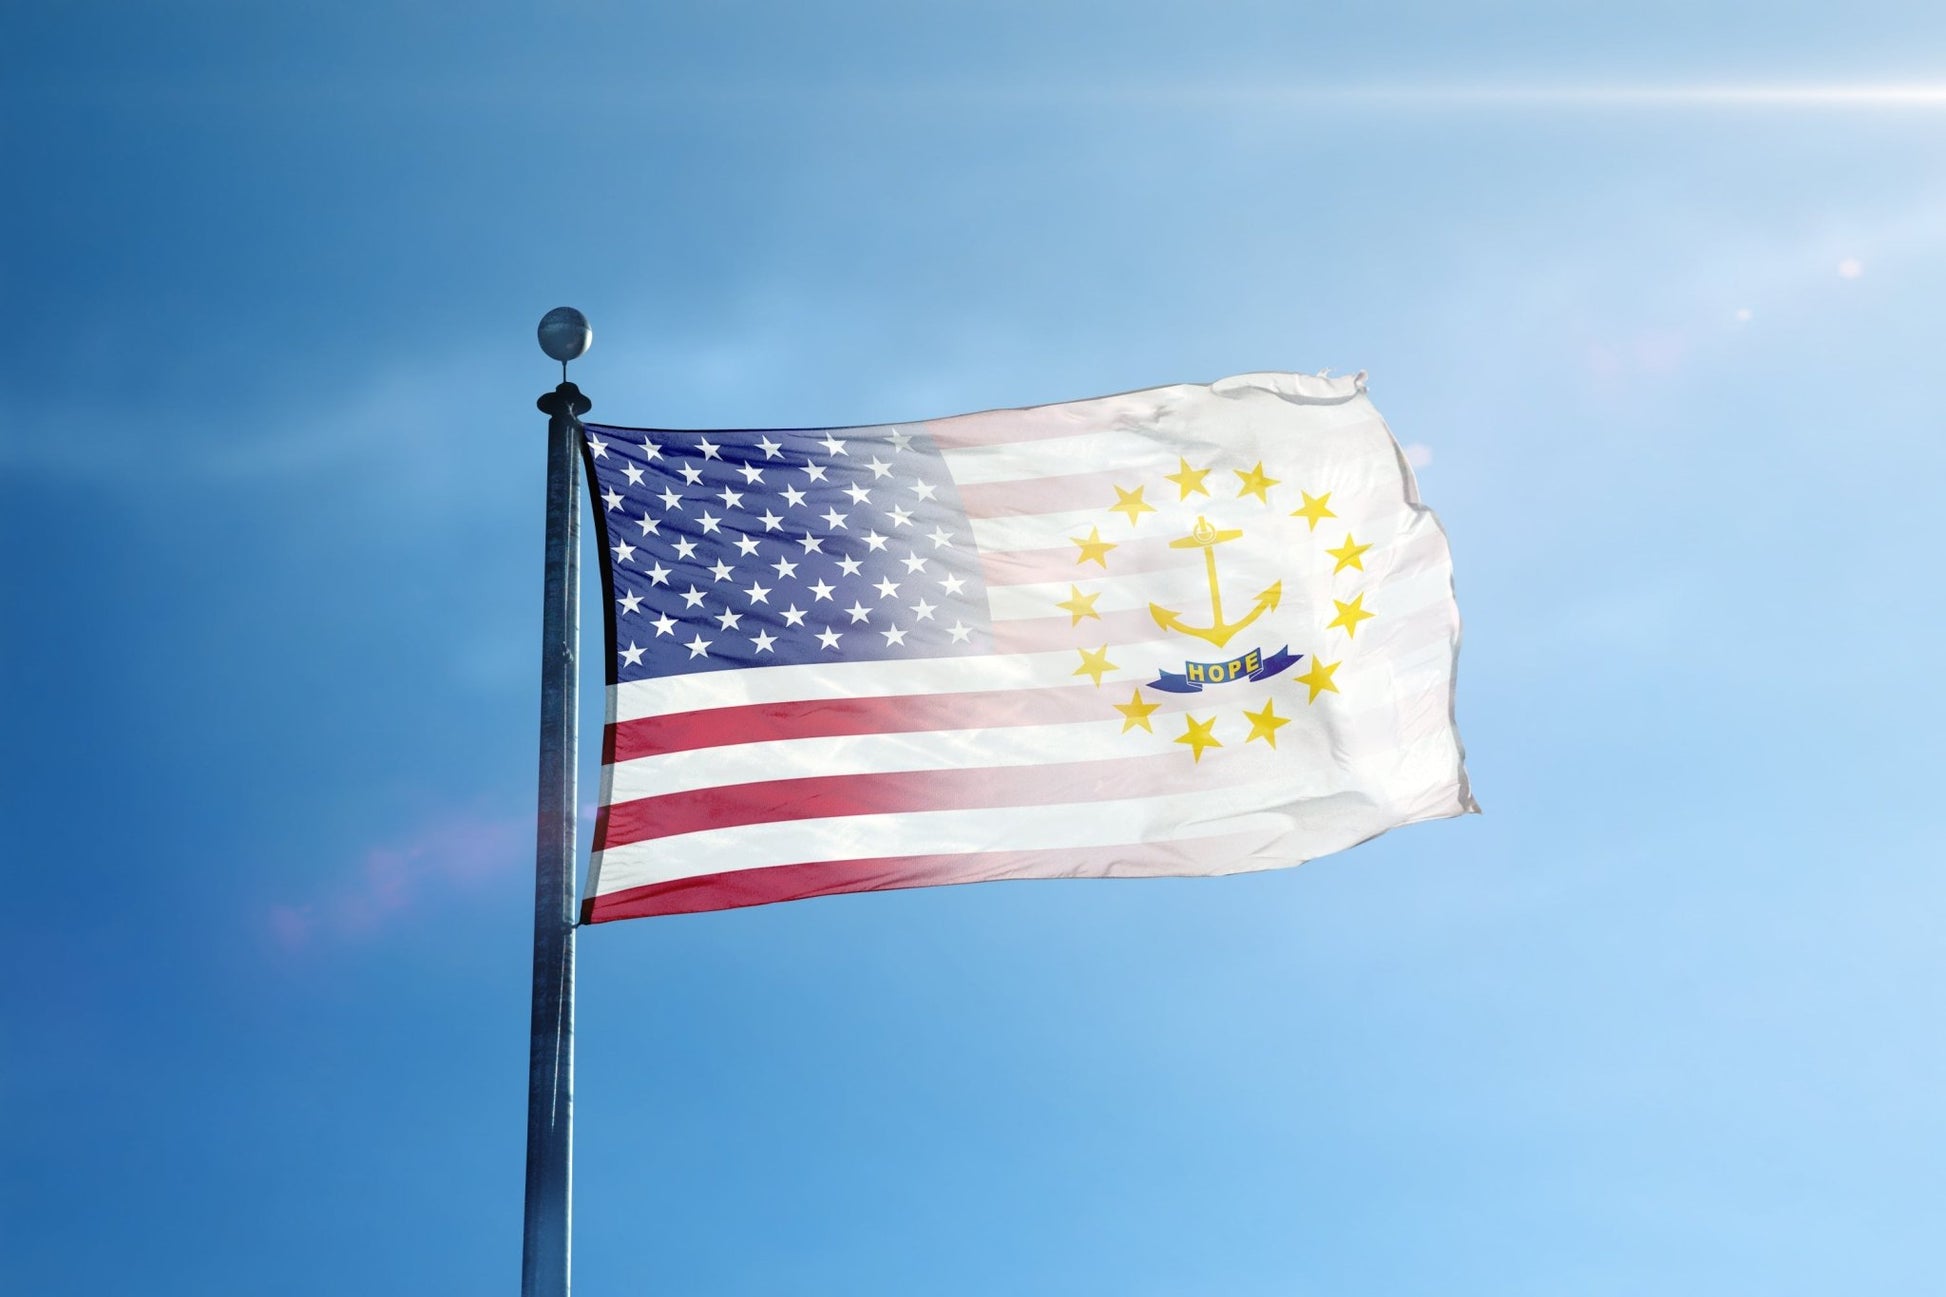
(1218, 632)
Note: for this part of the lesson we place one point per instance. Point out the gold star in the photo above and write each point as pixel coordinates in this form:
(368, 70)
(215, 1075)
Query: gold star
(1080, 605)
(1132, 504)
(1095, 664)
(1094, 547)
(1350, 614)
(1265, 724)
(1198, 735)
(1347, 555)
(1318, 678)
(1315, 508)
(1255, 483)
(1188, 479)
(1136, 712)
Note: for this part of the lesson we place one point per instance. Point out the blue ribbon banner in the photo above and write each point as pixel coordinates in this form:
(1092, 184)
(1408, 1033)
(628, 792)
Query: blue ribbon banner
(1249, 666)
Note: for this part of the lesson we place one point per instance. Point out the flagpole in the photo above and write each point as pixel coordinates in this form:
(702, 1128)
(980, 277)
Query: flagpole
(545, 1239)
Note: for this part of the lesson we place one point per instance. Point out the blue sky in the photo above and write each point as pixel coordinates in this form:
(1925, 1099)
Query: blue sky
(1664, 1019)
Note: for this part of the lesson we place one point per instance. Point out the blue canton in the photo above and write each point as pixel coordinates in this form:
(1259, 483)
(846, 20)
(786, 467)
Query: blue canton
(745, 549)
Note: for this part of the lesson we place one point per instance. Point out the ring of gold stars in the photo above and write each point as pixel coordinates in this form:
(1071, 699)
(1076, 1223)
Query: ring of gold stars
(1132, 503)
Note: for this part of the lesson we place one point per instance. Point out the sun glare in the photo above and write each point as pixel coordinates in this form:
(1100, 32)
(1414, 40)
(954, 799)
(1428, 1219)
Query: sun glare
(1921, 94)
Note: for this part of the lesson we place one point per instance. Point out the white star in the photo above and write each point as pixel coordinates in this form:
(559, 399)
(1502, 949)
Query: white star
(658, 575)
(832, 446)
(951, 583)
(632, 656)
(728, 620)
(814, 472)
(752, 475)
(833, 519)
(900, 440)
(923, 490)
(664, 624)
(828, 638)
(922, 610)
(784, 568)
(959, 632)
(811, 543)
(793, 497)
(630, 601)
(685, 548)
(757, 593)
(879, 468)
(746, 545)
(893, 635)
(611, 498)
(649, 526)
(858, 494)
(697, 647)
(597, 448)
(793, 616)
(771, 521)
(901, 518)
(848, 566)
(709, 522)
(886, 588)
(708, 448)
(633, 474)
(940, 537)
(731, 499)
(624, 551)
(691, 474)
(768, 447)
(821, 590)
(721, 571)
(859, 612)
(763, 640)
(693, 598)
(670, 500)
(876, 541)
(913, 563)
(651, 451)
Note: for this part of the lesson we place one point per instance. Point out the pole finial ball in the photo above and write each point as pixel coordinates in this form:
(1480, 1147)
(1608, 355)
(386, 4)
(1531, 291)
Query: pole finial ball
(565, 334)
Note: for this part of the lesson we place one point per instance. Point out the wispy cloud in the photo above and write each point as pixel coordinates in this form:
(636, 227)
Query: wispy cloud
(438, 860)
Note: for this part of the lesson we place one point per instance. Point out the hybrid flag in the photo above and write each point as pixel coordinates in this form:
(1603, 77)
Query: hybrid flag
(1191, 630)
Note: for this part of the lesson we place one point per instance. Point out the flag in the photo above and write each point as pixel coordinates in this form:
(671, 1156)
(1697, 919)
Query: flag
(1190, 630)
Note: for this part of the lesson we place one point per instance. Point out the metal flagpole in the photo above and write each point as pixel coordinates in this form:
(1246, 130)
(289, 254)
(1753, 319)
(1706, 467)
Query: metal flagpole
(545, 1249)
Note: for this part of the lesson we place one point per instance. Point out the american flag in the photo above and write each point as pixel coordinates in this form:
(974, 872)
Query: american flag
(974, 648)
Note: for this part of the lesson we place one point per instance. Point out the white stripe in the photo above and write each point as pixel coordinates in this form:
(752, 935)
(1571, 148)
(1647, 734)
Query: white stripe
(1170, 818)
(1304, 743)
(657, 697)
(1185, 588)
(852, 754)
(1044, 530)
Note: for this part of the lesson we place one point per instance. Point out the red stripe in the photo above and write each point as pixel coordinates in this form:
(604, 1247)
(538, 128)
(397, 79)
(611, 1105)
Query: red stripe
(733, 890)
(885, 793)
(1041, 494)
(829, 718)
